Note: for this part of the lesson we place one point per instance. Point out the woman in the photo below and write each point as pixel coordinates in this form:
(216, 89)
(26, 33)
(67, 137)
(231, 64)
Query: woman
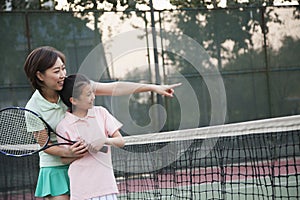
(45, 69)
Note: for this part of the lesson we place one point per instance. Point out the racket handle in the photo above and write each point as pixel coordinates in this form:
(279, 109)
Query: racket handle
(104, 149)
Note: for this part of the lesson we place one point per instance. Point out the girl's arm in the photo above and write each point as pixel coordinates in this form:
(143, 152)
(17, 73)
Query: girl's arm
(125, 88)
(116, 140)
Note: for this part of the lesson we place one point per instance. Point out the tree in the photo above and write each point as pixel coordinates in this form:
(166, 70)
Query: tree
(226, 34)
(19, 5)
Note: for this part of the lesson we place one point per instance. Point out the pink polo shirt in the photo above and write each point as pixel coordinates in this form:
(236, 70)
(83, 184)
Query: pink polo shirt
(92, 175)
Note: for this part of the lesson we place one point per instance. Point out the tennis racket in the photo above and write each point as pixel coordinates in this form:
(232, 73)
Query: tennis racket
(24, 133)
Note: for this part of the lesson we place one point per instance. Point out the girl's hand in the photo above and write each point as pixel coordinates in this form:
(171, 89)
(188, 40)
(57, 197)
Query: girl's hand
(96, 145)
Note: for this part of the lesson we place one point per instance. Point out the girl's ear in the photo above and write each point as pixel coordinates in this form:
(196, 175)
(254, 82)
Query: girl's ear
(72, 100)
(39, 75)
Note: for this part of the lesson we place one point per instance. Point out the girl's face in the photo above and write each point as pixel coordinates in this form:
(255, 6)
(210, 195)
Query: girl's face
(86, 98)
(53, 77)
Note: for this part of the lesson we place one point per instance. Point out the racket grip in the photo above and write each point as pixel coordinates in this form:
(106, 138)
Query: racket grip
(104, 149)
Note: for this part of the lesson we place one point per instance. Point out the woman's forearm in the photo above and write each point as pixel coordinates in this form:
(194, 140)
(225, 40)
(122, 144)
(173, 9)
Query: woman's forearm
(121, 88)
(76, 150)
(58, 151)
(124, 88)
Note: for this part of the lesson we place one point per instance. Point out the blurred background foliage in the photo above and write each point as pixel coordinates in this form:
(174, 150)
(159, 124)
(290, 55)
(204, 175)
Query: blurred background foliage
(254, 45)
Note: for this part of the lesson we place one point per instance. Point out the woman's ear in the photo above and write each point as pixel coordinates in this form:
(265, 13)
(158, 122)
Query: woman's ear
(39, 75)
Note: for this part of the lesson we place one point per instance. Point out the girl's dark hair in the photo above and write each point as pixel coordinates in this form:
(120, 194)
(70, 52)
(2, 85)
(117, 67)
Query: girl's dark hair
(73, 88)
(41, 59)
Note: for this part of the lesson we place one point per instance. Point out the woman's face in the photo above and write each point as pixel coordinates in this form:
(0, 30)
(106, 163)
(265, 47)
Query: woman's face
(53, 78)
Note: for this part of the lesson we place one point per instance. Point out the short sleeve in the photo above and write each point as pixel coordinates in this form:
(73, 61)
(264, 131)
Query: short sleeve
(111, 124)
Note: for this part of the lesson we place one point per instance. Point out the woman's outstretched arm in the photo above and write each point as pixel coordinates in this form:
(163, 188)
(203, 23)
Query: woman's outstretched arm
(124, 88)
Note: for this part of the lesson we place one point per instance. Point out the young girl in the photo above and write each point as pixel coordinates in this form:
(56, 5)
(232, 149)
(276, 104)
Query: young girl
(45, 68)
(92, 176)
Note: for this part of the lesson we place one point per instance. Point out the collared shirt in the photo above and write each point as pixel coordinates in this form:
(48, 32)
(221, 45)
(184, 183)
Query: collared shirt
(52, 113)
(92, 175)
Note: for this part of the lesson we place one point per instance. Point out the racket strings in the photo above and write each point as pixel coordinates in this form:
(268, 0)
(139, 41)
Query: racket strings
(18, 131)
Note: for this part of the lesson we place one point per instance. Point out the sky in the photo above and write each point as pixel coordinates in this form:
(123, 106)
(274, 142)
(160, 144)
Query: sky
(164, 4)
(158, 4)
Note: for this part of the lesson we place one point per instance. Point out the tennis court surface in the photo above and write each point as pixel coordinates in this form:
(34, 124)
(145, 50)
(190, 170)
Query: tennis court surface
(249, 160)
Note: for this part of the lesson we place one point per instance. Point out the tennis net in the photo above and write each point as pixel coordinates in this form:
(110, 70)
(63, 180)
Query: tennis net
(249, 160)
